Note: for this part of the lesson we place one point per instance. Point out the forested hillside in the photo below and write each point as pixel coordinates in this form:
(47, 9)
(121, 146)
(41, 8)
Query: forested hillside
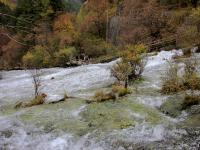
(48, 33)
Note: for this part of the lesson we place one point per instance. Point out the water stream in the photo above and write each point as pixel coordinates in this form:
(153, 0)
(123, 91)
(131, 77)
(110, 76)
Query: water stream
(132, 122)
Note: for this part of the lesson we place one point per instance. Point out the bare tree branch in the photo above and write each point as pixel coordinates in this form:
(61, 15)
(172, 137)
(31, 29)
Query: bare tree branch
(13, 17)
(35, 75)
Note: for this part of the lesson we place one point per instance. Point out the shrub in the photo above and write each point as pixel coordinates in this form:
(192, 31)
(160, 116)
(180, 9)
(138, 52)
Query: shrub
(121, 72)
(191, 100)
(65, 55)
(135, 56)
(101, 96)
(94, 46)
(120, 90)
(132, 64)
(191, 66)
(171, 82)
(38, 57)
(40, 99)
(191, 79)
(192, 82)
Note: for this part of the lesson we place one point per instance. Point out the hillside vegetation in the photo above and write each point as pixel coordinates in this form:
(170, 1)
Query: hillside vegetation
(47, 33)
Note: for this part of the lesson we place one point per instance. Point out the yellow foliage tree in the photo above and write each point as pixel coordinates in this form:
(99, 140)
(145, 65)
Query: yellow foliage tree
(8, 3)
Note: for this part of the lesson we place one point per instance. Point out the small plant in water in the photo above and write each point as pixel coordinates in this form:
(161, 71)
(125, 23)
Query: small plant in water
(101, 96)
(40, 99)
(171, 82)
(66, 96)
(35, 74)
(120, 90)
(190, 80)
(131, 66)
(191, 100)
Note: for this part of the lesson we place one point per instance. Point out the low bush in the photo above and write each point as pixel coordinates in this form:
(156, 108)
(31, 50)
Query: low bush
(192, 82)
(101, 96)
(172, 83)
(191, 78)
(171, 87)
(131, 66)
(121, 71)
(65, 55)
(94, 46)
(40, 99)
(120, 90)
(135, 56)
(38, 57)
(191, 100)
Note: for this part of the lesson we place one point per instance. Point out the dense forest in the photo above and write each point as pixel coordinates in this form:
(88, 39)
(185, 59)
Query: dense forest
(45, 33)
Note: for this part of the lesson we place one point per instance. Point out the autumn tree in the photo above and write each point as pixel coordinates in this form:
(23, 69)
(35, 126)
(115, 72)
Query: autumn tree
(142, 21)
(9, 3)
(94, 18)
(188, 32)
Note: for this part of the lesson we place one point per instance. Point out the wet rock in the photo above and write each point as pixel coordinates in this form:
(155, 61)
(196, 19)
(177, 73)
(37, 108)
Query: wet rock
(6, 134)
(57, 101)
(49, 128)
(192, 121)
(194, 109)
(175, 104)
(188, 141)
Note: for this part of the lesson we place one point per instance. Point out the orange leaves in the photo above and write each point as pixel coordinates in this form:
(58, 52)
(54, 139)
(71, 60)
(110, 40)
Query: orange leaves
(63, 23)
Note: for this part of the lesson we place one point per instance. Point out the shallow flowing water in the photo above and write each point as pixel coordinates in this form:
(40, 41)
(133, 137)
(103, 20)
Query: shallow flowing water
(132, 122)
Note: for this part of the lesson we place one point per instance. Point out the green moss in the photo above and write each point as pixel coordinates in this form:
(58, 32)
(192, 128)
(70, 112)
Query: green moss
(107, 116)
(150, 115)
(119, 114)
(173, 106)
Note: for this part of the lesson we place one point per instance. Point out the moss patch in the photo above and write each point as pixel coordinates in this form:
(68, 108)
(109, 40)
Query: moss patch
(173, 106)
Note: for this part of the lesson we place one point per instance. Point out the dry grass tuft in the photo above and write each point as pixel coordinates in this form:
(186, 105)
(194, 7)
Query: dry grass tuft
(40, 99)
(120, 90)
(101, 96)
